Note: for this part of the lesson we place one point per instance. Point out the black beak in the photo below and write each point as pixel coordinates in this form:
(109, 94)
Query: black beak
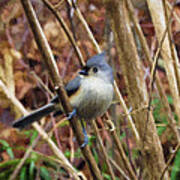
(83, 72)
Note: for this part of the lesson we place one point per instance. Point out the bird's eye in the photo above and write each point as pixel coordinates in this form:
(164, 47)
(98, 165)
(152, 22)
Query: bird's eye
(95, 69)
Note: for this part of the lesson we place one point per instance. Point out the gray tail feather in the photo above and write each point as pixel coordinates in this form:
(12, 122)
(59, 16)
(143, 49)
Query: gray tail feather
(34, 116)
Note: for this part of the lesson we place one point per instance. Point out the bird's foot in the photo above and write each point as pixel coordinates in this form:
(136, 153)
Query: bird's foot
(71, 114)
(86, 140)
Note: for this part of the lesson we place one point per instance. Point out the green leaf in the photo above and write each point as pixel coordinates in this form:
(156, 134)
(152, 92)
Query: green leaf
(122, 136)
(95, 155)
(107, 176)
(160, 130)
(91, 139)
(28, 133)
(175, 174)
(44, 173)
(31, 170)
(23, 173)
(4, 143)
(7, 148)
(34, 156)
(67, 153)
(78, 153)
(170, 99)
(10, 152)
(65, 123)
(33, 136)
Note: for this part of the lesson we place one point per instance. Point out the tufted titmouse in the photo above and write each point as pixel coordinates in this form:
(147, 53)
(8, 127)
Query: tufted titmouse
(90, 93)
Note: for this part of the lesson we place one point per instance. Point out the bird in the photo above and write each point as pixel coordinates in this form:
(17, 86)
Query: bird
(90, 93)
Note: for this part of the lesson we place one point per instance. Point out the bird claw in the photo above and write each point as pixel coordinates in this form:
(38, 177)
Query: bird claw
(86, 139)
(71, 114)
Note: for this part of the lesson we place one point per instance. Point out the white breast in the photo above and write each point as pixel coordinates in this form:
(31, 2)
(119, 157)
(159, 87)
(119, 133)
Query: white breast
(93, 98)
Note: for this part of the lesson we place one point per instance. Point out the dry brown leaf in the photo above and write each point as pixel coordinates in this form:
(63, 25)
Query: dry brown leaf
(8, 69)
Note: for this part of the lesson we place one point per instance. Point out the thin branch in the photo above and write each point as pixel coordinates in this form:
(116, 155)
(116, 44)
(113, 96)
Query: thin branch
(128, 146)
(103, 150)
(174, 12)
(66, 30)
(119, 169)
(41, 83)
(172, 47)
(123, 155)
(170, 160)
(83, 21)
(132, 125)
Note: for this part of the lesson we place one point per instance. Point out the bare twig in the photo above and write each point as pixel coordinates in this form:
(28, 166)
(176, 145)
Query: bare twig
(83, 21)
(172, 46)
(170, 160)
(66, 30)
(132, 125)
(59, 4)
(128, 146)
(103, 150)
(174, 12)
(41, 83)
(119, 169)
(123, 155)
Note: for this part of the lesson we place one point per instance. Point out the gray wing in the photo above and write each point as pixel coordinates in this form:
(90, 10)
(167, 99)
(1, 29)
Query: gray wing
(73, 85)
(70, 88)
